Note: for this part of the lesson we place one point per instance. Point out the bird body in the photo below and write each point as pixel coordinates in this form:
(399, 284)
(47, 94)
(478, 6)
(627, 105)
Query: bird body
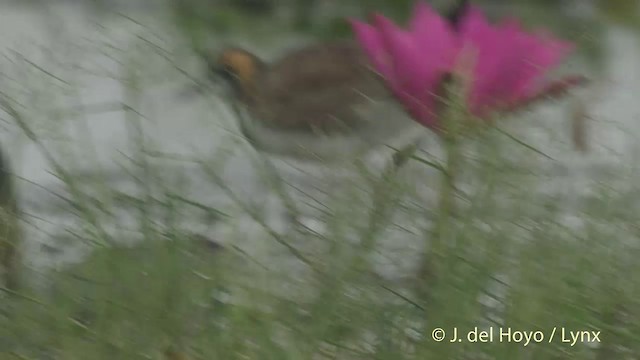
(315, 88)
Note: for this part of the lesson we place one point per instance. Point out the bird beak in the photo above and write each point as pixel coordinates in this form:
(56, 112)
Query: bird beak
(220, 81)
(217, 73)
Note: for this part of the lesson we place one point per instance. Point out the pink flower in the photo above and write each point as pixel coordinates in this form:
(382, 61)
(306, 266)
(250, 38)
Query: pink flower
(413, 61)
(507, 69)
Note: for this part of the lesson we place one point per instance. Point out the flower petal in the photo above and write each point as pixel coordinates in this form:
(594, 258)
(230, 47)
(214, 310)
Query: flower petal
(510, 63)
(553, 89)
(371, 42)
(401, 47)
(435, 36)
(491, 56)
(420, 59)
(543, 53)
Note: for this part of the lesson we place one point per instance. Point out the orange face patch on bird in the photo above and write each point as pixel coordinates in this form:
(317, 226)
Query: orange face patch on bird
(237, 67)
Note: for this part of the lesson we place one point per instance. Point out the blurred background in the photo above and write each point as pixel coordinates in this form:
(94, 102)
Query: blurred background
(111, 155)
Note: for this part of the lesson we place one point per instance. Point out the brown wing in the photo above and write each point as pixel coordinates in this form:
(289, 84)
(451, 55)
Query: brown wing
(317, 87)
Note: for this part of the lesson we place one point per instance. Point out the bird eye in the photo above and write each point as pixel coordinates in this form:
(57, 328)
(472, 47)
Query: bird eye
(228, 68)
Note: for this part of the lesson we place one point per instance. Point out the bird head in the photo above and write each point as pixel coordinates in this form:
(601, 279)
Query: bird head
(236, 68)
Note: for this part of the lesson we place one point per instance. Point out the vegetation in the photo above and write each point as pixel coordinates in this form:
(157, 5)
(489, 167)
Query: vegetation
(514, 254)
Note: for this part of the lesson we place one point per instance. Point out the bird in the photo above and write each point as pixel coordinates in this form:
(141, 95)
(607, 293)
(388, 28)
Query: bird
(319, 101)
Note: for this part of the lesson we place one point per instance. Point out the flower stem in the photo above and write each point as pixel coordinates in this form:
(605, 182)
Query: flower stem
(454, 123)
(447, 195)
(433, 262)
